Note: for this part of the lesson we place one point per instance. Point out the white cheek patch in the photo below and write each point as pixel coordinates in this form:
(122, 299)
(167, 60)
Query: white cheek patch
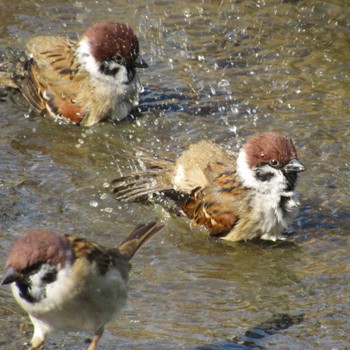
(245, 174)
(85, 57)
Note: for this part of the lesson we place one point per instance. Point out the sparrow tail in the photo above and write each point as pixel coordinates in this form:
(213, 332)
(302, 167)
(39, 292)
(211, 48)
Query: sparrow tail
(155, 177)
(137, 237)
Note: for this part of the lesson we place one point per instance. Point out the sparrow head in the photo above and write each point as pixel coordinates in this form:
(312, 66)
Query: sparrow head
(34, 260)
(107, 46)
(269, 155)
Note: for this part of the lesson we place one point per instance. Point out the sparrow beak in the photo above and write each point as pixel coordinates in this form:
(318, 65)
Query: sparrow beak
(11, 275)
(140, 62)
(294, 166)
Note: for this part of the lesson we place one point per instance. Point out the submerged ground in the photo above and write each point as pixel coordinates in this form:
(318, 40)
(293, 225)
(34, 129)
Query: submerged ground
(221, 70)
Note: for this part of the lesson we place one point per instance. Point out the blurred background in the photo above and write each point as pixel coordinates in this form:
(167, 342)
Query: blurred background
(220, 70)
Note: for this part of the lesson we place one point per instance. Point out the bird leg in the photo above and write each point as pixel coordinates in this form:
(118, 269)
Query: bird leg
(39, 335)
(96, 338)
(36, 344)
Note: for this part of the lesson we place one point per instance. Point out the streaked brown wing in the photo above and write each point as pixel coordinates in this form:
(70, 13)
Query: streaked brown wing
(48, 86)
(214, 206)
(32, 89)
(54, 56)
(104, 258)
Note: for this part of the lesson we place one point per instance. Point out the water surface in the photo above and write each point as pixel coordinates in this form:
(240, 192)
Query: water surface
(221, 70)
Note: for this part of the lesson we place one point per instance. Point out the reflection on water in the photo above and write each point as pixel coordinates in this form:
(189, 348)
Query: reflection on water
(222, 70)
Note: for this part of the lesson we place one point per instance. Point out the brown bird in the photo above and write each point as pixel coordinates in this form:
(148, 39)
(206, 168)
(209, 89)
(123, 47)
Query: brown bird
(84, 82)
(67, 283)
(236, 197)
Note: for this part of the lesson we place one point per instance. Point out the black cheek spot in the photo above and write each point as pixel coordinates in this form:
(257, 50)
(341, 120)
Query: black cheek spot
(25, 291)
(107, 70)
(114, 71)
(49, 277)
(263, 176)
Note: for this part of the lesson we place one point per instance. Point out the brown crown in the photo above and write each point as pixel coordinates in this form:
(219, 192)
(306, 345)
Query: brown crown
(38, 247)
(108, 39)
(267, 146)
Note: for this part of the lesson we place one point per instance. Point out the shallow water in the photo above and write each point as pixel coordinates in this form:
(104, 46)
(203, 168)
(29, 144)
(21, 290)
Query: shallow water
(221, 70)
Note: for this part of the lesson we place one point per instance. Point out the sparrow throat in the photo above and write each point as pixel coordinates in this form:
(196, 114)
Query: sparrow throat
(291, 178)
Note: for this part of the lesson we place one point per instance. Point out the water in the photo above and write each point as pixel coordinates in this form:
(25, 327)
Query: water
(217, 69)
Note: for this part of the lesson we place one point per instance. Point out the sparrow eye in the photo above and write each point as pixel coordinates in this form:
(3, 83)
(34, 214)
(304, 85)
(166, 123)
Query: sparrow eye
(118, 58)
(274, 163)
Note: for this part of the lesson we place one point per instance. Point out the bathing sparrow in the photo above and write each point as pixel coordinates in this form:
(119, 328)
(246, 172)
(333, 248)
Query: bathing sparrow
(87, 81)
(236, 197)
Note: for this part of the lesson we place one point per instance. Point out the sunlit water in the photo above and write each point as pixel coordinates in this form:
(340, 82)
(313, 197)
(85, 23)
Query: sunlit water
(221, 70)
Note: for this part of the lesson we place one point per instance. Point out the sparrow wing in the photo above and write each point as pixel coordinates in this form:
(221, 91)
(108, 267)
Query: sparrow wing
(217, 205)
(191, 167)
(102, 257)
(48, 85)
(54, 54)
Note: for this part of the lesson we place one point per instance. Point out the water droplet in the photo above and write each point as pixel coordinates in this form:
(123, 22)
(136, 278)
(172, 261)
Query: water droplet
(223, 83)
(93, 204)
(233, 129)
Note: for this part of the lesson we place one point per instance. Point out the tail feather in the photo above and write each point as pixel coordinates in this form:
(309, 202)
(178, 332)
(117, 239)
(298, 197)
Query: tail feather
(30, 88)
(137, 185)
(137, 237)
(155, 176)
(129, 195)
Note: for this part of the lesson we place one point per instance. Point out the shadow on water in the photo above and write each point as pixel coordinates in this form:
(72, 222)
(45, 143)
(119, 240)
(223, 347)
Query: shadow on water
(253, 337)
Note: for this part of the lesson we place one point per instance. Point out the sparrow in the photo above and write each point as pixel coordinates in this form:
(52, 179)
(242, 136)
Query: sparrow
(66, 283)
(241, 196)
(87, 81)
